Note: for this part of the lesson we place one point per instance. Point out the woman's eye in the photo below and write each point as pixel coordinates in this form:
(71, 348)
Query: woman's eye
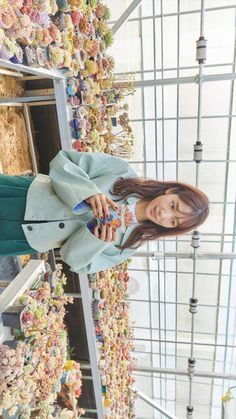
(172, 205)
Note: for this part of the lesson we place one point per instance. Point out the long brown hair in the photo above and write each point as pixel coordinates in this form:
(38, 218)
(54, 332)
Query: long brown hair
(148, 189)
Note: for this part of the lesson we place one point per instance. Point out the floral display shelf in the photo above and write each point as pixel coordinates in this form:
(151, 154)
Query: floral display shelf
(86, 295)
(24, 280)
(67, 41)
(64, 113)
(114, 340)
(36, 377)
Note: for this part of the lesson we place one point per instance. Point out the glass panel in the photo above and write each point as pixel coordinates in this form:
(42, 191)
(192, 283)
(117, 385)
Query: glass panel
(138, 263)
(170, 286)
(147, 9)
(154, 281)
(187, 173)
(135, 105)
(169, 6)
(138, 133)
(142, 407)
(155, 313)
(142, 333)
(170, 171)
(138, 168)
(147, 36)
(218, 3)
(151, 170)
(170, 140)
(188, 100)
(222, 318)
(214, 185)
(187, 5)
(189, 33)
(127, 39)
(170, 41)
(150, 147)
(139, 313)
(233, 134)
(210, 285)
(148, 75)
(149, 102)
(117, 8)
(170, 102)
(138, 285)
(230, 220)
(220, 31)
(220, 90)
(214, 137)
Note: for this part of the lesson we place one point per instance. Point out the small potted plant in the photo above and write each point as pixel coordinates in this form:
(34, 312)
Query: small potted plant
(13, 316)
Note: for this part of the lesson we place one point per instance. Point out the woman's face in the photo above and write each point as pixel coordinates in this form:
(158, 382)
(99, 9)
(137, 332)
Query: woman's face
(167, 210)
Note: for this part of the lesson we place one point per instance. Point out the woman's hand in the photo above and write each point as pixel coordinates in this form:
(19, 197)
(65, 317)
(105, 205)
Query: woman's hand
(106, 233)
(100, 205)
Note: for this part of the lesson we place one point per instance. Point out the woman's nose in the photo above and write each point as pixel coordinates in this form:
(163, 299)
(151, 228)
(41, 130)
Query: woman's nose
(165, 212)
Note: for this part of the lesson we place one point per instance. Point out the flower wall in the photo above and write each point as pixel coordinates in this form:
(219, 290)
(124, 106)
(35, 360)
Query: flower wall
(73, 36)
(114, 338)
(34, 367)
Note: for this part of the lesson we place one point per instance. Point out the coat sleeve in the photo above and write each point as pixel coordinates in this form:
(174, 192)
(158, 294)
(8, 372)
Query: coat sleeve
(75, 249)
(83, 248)
(92, 257)
(72, 174)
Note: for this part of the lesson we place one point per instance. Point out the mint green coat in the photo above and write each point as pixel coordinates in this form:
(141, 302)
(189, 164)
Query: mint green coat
(73, 177)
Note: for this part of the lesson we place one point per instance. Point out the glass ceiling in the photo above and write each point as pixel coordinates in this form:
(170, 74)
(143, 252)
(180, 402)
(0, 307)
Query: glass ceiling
(158, 44)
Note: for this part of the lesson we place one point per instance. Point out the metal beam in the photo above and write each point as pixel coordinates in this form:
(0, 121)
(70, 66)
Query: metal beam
(179, 255)
(10, 73)
(30, 138)
(184, 80)
(64, 114)
(24, 99)
(91, 338)
(42, 72)
(124, 17)
(206, 374)
(154, 404)
(73, 294)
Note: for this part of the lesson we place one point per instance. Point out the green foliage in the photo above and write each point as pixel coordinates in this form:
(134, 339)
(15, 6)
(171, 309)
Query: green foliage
(107, 13)
(108, 38)
(70, 353)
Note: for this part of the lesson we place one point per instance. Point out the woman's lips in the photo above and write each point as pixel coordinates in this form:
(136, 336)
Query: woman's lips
(153, 212)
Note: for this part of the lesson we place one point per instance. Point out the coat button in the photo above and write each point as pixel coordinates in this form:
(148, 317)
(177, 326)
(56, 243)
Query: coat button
(61, 225)
(29, 228)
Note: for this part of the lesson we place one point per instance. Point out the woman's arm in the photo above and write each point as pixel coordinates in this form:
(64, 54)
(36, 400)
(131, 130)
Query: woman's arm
(84, 252)
(72, 174)
(80, 249)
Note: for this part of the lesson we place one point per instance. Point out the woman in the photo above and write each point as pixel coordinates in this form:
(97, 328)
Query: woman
(55, 211)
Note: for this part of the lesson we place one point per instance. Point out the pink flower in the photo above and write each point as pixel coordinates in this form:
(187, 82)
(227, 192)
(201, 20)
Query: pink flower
(27, 317)
(53, 31)
(8, 18)
(100, 9)
(95, 49)
(16, 3)
(75, 16)
(27, 7)
(35, 16)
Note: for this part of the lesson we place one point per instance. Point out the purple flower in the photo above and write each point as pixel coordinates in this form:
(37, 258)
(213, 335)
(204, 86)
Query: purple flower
(44, 20)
